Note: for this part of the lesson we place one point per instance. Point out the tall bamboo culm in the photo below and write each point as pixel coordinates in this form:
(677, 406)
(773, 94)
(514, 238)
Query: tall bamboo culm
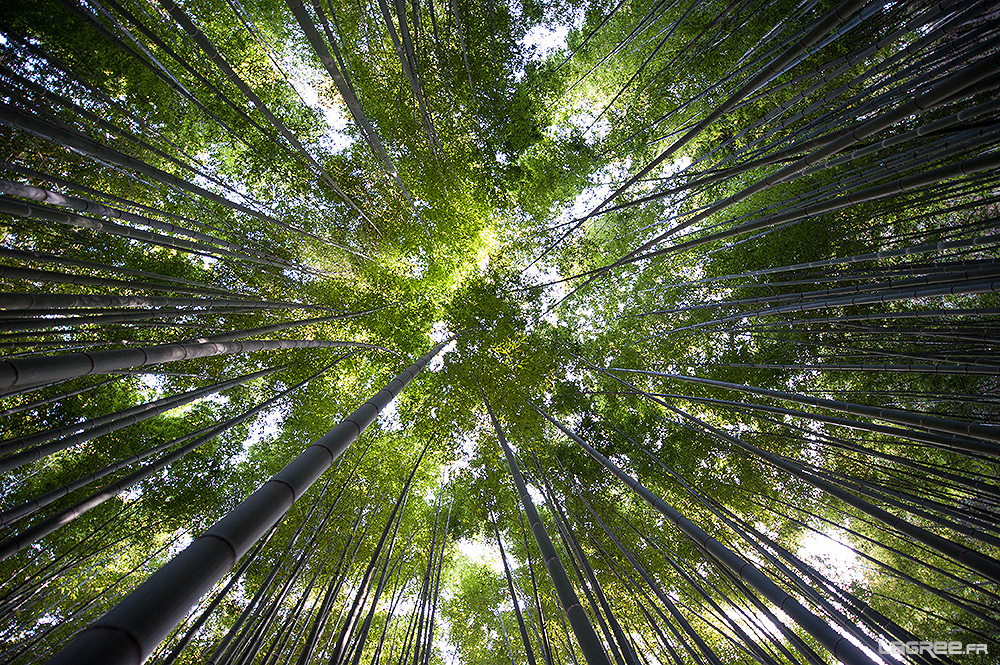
(130, 631)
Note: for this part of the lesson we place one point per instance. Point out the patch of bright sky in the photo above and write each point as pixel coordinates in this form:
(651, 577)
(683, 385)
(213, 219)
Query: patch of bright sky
(637, 638)
(418, 266)
(182, 541)
(439, 333)
(588, 199)
(536, 496)
(264, 427)
(761, 622)
(584, 202)
(479, 552)
(206, 261)
(221, 400)
(236, 192)
(584, 122)
(540, 40)
(449, 652)
(389, 419)
(595, 193)
(828, 553)
(153, 382)
(673, 168)
(303, 78)
(693, 272)
(552, 293)
(131, 494)
(856, 642)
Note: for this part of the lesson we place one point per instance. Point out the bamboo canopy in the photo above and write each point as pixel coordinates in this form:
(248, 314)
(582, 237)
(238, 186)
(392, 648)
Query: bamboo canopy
(631, 332)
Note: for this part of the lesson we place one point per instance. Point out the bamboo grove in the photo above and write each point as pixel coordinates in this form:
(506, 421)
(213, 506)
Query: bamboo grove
(632, 332)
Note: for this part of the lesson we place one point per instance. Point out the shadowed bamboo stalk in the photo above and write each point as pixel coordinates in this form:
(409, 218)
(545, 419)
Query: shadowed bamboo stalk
(347, 631)
(323, 614)
(513, 596)
(621, 648)
(767, 73)
(981, 563)
(956, 600)
(74, 140)
(590, 644)
(33, 125)
(42, 370)
(709, 654)
(157, 212)
(18, 208)
(55, 398)
(837, 644)
(130, 631)
(88, 429)
(55, 277)
(350, 98)
(804, 569)
(14, 544)
(51, 259)
(911, 435)
(898, 416)
(178, 14)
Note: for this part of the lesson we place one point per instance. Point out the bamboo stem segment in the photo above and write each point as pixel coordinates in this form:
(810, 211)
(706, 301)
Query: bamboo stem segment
(129, 632)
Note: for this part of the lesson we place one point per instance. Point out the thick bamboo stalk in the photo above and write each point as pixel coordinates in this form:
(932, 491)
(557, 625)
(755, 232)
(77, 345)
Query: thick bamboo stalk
(814, 594)
(42, 370)
(705, 649)
(17, 119)
(61, 301)
(131, 630)
(218, 598)
(542, 633)
(52, 259)
(261, 594)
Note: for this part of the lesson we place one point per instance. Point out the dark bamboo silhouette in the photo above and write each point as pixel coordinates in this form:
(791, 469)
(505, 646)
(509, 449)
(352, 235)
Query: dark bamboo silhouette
(590, 644)
(166, 596)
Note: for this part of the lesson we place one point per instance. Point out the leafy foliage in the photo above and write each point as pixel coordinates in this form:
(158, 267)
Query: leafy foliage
(661, 235)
